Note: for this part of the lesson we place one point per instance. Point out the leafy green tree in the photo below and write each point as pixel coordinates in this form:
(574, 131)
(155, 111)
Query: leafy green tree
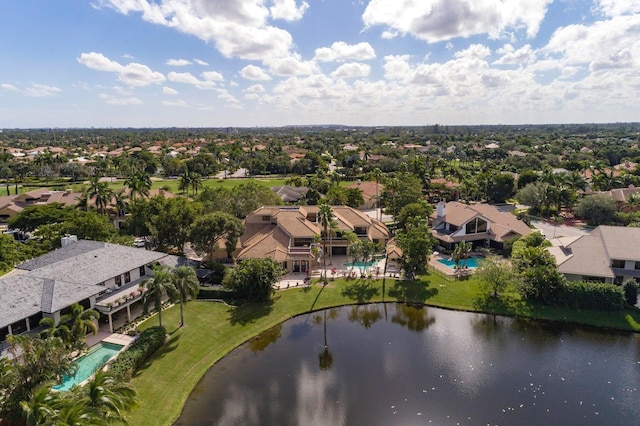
(109, 398)
(187, 284)
(495, 275)
(414, 214)
(404, 188)
(29, 219)
(416, 244)
(630, 287)
(596, 209)
(209, 229)
(254, 279)
(156, 288)
(170, 222)
(500, 187)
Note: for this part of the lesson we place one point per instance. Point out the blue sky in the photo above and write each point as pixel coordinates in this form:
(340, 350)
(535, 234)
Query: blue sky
(244, 63)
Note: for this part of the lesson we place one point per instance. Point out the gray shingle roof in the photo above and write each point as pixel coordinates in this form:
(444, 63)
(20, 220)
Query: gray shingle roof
(58, 279)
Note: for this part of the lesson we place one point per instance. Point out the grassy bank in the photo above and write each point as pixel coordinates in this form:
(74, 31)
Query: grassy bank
(212, 329)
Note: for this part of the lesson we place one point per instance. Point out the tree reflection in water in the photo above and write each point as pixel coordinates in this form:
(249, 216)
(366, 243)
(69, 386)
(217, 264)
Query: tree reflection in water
(365, 315)
(412, 317)
(325, 358)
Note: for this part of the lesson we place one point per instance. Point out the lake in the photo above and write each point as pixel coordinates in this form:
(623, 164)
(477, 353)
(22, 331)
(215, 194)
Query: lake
(393, 364)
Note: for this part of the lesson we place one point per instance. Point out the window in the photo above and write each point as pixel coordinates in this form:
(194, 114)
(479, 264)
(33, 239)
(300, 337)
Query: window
(143, 271)
(476, 226)
(118, 281)
(360, 230)
(637, 266)
(617, 263)
(266, 218)
(127, 277)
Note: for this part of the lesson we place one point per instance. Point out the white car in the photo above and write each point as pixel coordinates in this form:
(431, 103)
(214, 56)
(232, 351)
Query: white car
(139, 242)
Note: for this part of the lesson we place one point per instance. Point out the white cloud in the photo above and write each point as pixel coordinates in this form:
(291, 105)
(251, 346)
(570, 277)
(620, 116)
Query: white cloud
(132, 74)
(180, 103)
(112, 100)
(396, 67)
(251, 96)
(169, 91)
(288, 10)
(617, 7)
(35, 90)
(438, 20)
(341, 51)
(200, 62)
(351, 70)
(512, 56)
(178, 62)
(252, 72)
(256, 88)
(291, 65)
(237, 28)
(188, 78)
(212, 76)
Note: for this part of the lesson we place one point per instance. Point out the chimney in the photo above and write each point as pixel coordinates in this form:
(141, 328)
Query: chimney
(440, 209)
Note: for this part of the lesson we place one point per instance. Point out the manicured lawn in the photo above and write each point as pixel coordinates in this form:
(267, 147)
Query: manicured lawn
(213, 329)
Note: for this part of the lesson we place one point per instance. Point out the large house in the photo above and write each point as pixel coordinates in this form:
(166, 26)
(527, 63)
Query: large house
(482, 225)
(286, 234)
(11, 205)
(608, 254)
(97, 275)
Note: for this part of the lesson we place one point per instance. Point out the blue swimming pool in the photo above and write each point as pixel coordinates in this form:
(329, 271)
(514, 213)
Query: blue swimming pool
(89, 363)
(470, 263)
(361, 264)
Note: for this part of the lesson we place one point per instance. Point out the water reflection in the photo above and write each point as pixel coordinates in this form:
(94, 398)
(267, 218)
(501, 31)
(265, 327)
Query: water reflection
(440, 366)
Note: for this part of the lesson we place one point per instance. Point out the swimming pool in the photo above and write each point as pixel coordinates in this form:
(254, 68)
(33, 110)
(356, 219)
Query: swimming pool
(470, 263)
(89, 363)
(361, 264)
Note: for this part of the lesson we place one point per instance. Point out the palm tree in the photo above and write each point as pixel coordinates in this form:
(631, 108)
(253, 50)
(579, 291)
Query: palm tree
(42, 406)
(325, 217)
(109, 397)
(157, 287)
(187, 284)
(195, 181)
(81, 321)
(102, 193)
(139, 183)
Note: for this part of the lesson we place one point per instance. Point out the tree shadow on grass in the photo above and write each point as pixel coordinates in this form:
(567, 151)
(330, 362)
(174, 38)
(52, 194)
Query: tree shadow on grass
(412, 291)
(168, 347)
(249, 312)
(501, 305)
(360, 291)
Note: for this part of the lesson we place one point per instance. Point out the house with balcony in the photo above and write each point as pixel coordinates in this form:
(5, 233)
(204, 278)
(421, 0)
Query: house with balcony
(97, 275)
(287, 234)
(608, 254)
(482, 225)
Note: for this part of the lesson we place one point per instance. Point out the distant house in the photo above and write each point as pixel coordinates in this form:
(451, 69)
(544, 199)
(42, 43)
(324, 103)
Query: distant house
(371, 192)
(481, 224)
(608, 254)
(97, 275)
(621, 197)
(11, 205)
(290, 194)
(286, 234)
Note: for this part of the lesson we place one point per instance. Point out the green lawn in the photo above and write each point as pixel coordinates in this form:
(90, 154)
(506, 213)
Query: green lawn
(212, 329)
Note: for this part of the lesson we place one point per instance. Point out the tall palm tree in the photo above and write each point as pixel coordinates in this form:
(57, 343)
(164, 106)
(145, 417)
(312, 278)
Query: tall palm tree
(109, 397)
(325, 217)
(139, 184)
(101, 193)
(187, 284)
(80, 322)
(157, 287)
(195, 182)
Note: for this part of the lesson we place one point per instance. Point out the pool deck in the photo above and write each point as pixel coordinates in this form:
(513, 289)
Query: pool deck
(434, 261)
(118, 339)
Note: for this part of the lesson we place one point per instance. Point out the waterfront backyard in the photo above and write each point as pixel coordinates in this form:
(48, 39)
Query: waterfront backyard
(212, 329)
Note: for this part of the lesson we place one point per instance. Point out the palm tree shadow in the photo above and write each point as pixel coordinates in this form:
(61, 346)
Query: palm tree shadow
(249, 312)
(360, 291)
(412, 291)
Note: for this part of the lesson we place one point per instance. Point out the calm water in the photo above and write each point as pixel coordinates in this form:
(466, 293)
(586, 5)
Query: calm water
(397, 365)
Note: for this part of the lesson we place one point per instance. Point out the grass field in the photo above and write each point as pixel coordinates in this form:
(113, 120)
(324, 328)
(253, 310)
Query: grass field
(212, 330)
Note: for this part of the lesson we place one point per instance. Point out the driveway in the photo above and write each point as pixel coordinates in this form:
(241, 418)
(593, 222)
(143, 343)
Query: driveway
(554, 231)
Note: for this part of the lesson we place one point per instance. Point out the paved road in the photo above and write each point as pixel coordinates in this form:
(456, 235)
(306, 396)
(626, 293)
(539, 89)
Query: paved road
(552, 231)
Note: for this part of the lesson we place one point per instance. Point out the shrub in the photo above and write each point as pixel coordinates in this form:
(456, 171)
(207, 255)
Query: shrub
(586, 295)
(630, 288)
(128, 362)
(208, 293)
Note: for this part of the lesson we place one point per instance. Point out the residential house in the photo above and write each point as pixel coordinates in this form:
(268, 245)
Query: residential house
(286, 234)
(290, 194)
(11, 205)
(371, 192)
(481, 224)
(608, 254)
(621, 197)
(95, 274)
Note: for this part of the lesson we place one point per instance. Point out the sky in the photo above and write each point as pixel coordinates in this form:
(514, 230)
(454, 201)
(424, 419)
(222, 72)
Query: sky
(247, 63)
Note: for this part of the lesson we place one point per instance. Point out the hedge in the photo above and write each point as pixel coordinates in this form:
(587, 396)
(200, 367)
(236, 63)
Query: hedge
(129, 361)
(588, 295)
(216, 293)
